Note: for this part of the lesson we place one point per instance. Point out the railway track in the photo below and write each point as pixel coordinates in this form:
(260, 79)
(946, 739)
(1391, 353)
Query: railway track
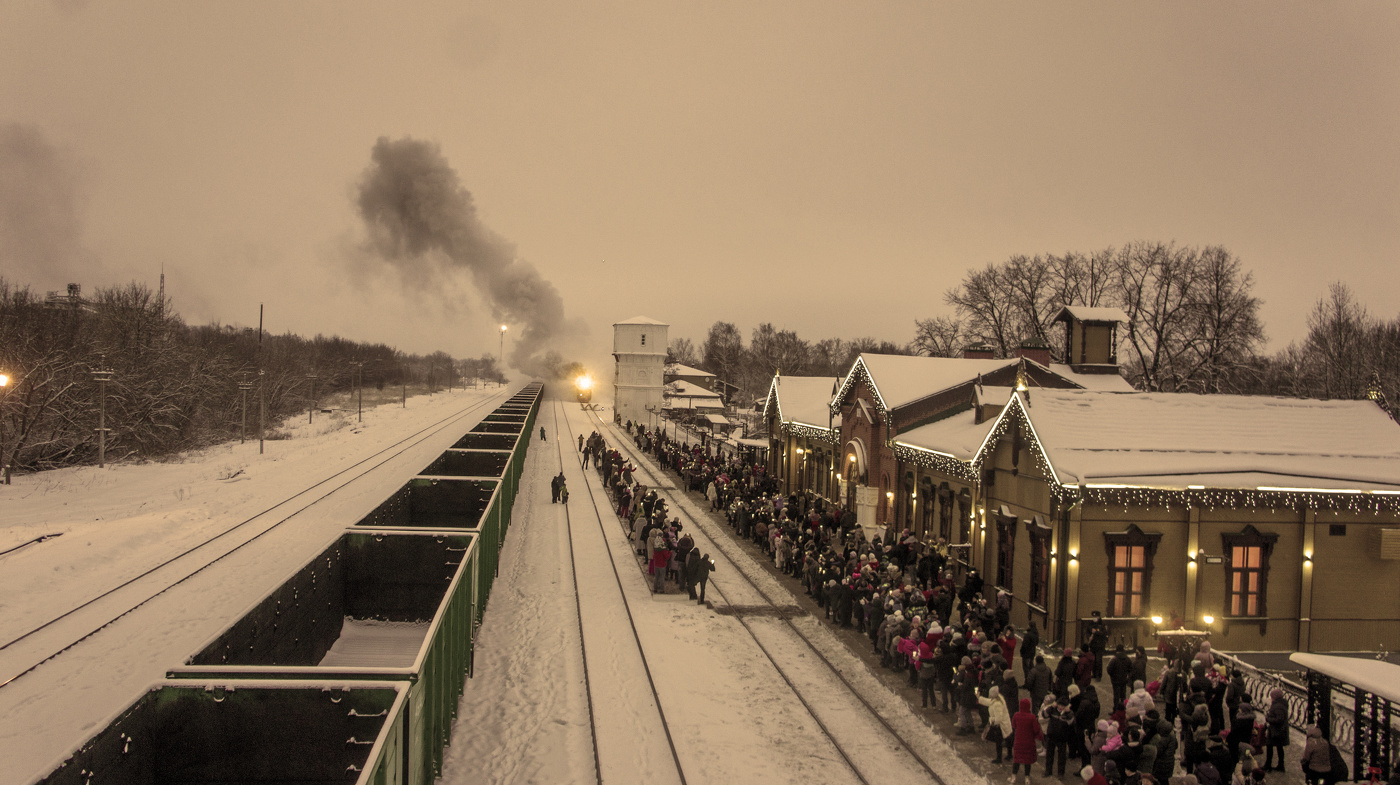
(561, 428)
(99, 612)
(831, 721)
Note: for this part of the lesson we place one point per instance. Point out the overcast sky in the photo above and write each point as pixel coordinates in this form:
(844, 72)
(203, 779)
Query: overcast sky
(830, 167)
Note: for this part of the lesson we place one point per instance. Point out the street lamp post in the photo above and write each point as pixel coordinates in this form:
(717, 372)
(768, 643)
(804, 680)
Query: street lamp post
(501, 370)
(102, 375)
(4, 393)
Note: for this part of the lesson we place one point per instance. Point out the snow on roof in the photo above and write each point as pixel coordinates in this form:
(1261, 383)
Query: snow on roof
(1085, 313)
(683, 389)
(676, 369)
(960, 436)
(717, 419)
(641, 320)
(804, 399)
(1175, 440)
(1365, 673)
(1105, 382)
(901, 379)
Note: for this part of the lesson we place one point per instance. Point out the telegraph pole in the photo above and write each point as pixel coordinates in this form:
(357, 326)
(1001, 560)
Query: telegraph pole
(102, 375)
(243, 387)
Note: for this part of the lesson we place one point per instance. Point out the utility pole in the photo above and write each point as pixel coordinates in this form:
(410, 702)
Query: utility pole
(102, 375)
(360, 389)
(311, 404)
(243, 387)
(262, 408)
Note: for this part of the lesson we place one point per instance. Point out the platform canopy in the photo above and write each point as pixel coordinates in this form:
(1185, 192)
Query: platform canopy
(1364, 673)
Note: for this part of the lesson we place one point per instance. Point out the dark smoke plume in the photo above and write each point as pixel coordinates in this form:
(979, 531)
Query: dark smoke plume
(421, 220)
(40, 222)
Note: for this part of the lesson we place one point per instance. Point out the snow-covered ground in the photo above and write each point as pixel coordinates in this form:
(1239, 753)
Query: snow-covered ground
(525, 716)
(116, 523)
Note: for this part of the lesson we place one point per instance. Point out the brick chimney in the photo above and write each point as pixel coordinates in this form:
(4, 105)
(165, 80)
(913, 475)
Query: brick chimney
(1035, 349)
(979, 351)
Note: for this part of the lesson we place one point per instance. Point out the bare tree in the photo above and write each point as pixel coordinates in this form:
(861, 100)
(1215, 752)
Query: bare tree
(682, 351)
(940, 336)
(985, 300)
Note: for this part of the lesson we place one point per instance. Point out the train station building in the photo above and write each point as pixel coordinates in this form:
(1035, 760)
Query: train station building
(1278, 519)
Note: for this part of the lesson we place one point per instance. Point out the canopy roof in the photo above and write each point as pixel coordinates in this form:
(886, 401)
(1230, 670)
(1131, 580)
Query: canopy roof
(1364, 673)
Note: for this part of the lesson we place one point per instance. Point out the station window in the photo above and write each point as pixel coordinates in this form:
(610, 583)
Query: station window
(1247, 571)
(1006, 549)
(644, 339)
(1040, 561)
(1130, 555)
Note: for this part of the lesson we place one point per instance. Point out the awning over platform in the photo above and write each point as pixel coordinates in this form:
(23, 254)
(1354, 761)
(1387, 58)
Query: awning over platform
(1364, 673)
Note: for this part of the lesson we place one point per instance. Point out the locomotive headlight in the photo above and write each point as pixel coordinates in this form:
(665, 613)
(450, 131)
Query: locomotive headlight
(584, 382)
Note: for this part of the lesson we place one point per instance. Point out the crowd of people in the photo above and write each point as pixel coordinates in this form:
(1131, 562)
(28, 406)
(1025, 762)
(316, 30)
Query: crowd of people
(1188, 722)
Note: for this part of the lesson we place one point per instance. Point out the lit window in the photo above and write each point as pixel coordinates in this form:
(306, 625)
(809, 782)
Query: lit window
(1130, 570)
(1247, 571)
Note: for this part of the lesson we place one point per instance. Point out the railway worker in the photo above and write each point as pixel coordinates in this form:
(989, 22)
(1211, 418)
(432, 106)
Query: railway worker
(542, 433)
(580, 440)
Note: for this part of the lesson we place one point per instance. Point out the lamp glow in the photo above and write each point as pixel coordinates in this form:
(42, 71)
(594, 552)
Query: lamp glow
(1208, 619)
(1156, 619)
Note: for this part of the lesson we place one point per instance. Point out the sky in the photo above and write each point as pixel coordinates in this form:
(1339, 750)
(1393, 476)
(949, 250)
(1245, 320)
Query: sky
(832, 168)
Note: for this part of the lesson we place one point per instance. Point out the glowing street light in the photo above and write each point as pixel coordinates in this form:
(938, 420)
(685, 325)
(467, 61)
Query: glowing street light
(4, 391)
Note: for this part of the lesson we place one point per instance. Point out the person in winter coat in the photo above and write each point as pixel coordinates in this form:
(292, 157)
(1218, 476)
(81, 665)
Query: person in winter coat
(1120, 674)
(966, 694)
(697, 573)
(1007, 641)
(1038, 681)
(998, 730)
(1084, 669)
(1276, 735)
(1219, 756)
(1242, 728)
(1025, 730)
(1317, 758)
(1138, 702)
(1086, 715)
(1064, 673)
(1091, 777)
(1030, 649)
(928, 673)
(1165, 764)
(1059, 727)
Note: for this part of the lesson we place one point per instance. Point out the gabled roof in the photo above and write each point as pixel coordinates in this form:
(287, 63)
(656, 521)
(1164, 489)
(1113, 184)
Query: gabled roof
(683, 389)
(900, 379)
(676, 369)
(1181, 441)
(642, 320)
(1085, 313)
(803, 399)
